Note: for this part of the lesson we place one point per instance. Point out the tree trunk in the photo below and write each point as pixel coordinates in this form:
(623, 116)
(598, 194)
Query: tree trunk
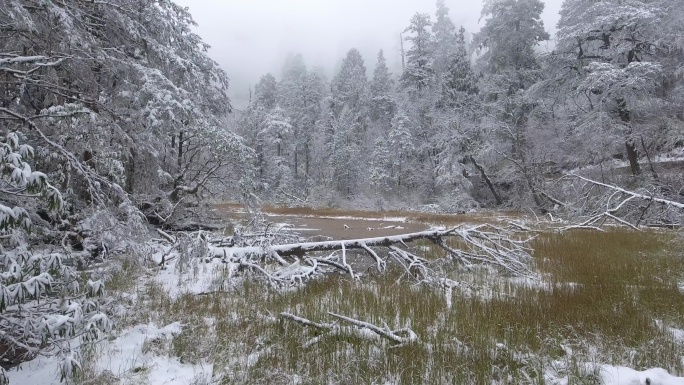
(403, 54)
(632, 156)
(630, 146)
(307, 156)
(180, 149)
(650, 163)
(260, 159)
(130, 172)
(296, 162)
(481, 169)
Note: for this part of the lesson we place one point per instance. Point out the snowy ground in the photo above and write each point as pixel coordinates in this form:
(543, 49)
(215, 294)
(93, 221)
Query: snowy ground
(129, 359)
(140, 354)
(611, 375)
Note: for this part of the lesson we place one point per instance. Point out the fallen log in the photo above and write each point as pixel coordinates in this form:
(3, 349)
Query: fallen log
(300, 249)
(482, 244)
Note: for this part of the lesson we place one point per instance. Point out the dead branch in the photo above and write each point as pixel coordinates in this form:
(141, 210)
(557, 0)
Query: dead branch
(166, 236)
(678, 205)
(484, 175)
(392, 335)
(618, 205)
(306, 322)
(399, 337)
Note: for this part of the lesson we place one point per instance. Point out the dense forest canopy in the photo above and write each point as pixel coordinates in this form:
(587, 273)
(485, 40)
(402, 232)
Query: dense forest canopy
(481, 121)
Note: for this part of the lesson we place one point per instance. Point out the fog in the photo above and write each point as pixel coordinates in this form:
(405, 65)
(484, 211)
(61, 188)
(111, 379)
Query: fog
(252, 37)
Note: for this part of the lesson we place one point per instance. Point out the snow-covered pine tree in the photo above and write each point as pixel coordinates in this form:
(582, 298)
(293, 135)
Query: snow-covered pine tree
(459, 82)
(266, 92)
(401, 143)
(419, 72)
(296, 101)
(350, 84)
(512, 30)
(315, 92)
(382, 105)
(276, 138)
(446, 43)
(349, 104)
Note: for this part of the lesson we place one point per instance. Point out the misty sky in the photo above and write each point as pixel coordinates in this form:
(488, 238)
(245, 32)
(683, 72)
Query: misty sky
(252, 37)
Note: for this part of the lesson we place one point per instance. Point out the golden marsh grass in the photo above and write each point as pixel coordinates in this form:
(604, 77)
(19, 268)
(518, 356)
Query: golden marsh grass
(598, 302)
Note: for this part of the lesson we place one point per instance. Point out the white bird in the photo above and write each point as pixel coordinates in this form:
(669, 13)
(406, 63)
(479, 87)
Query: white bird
(346, 227)
(370, 229)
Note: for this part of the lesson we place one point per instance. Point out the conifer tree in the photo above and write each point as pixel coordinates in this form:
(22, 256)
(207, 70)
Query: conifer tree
(459, 82)
(419, 73)
(382, 104)
(446, 42)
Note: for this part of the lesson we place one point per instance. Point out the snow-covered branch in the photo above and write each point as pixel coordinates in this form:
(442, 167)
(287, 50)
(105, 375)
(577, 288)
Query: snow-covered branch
(668, 202)
(398, 337)
(503, 248)
(621, 206)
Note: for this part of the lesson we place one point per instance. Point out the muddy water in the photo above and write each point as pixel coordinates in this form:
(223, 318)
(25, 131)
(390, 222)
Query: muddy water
(346, 227)
(340, 226)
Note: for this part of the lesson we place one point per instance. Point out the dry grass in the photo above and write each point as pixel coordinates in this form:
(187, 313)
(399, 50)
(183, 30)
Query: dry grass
(601, 297)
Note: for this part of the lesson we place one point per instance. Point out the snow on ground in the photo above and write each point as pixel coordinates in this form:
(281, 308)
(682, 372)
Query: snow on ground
(198, 277)
(191, 277)
(676, 154)
(127, 363)
(619, 375)
(41, 371)
(125, 360)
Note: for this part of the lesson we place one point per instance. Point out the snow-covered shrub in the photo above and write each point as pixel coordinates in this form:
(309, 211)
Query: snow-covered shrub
(41, 300)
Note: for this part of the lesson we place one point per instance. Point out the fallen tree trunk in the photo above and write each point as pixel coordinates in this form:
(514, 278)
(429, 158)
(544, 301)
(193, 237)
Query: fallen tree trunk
(300, 249)
(478, 245)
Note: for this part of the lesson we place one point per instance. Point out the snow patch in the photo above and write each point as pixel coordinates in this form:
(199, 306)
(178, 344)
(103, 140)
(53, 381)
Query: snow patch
(40, 371)
(620, 375)
(199, 277)
(125, 360)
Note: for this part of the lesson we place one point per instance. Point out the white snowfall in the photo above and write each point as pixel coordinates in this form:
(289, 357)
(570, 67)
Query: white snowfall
(125, 360)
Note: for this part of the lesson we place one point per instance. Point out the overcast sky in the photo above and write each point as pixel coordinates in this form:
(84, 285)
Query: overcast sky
(252, 37)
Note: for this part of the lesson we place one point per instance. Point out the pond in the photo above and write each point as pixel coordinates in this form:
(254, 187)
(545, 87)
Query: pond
(356, 224)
